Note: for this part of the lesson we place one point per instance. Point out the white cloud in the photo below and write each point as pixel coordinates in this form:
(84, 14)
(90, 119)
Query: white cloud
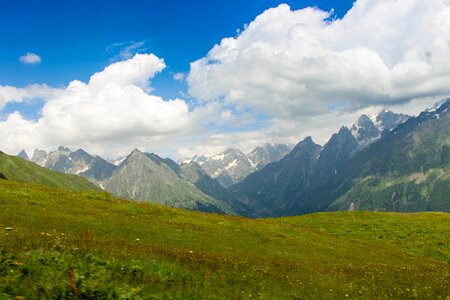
(30, 58)
(12, 94)
(179, 76)
(291, 64)
(112, 111)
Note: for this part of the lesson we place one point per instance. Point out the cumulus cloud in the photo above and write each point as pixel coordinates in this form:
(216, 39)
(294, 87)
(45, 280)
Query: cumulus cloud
(30, 58)
(13, 94)
(292, 64)
(113, 109)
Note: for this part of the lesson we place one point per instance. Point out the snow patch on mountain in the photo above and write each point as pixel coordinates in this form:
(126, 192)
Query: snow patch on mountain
(370, 129)
(232, 165)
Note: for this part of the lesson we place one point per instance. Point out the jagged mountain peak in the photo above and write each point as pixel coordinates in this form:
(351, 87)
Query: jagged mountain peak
(80, 154)
(63, 149)
(367, 129)
(39, 157)
(365, 118)
(136, 151)
(192, 165)
(233, 165)
(306, 142)
(344, 130)
(306, 148)
(386, 119)
(134, 155)
(267, 153)
(200, 159)
(77, 162)
(344, 135)
(80, 151)
(23, 154)
(364, 130)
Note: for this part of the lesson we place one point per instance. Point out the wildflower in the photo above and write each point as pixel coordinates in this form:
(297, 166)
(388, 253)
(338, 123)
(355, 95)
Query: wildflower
(8, 228)
(138, 240)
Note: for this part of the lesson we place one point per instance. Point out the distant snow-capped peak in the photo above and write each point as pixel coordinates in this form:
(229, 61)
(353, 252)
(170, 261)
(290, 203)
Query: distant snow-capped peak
(369, 129)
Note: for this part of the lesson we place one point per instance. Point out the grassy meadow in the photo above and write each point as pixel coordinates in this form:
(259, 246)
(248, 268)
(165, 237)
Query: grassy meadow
(60, 244)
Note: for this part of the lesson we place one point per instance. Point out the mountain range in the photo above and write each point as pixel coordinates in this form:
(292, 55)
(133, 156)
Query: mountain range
(148, 177)
(142, 177)
(405, 168)
(233, 165)
(388, 162)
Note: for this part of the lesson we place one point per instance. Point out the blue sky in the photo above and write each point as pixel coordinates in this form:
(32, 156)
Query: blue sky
(292, 72)
(72, 37)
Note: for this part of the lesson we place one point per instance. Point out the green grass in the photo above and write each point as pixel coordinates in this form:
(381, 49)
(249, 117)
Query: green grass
(119, 249)
(16, 168)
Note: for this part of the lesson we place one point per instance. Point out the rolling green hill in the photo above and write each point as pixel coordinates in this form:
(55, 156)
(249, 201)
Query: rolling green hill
(56, 244)
(16, 168)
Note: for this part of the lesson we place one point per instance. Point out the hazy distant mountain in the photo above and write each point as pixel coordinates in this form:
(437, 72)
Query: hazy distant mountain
(39, 157)
(23, 154)
(229, 166)
(78, 162)
(268, 153)
(233, 165)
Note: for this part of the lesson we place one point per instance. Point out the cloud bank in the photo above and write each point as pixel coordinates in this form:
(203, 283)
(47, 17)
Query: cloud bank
(291, 64)
(114, 107)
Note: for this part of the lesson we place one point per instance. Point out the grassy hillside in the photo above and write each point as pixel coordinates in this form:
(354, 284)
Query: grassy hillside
(56, 243)
(16, 168)
(421, 191)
